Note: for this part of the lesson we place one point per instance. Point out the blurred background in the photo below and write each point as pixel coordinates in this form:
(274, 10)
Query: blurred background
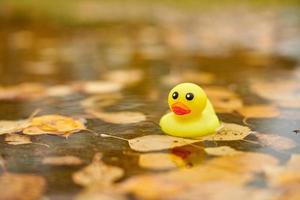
(54, 41)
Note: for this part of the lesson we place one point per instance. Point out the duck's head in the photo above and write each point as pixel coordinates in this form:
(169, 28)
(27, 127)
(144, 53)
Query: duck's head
(187, 100)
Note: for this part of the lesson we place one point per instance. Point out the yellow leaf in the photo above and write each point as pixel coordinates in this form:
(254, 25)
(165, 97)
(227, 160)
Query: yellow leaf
(55, 125)
(159, 161)
(13, 126)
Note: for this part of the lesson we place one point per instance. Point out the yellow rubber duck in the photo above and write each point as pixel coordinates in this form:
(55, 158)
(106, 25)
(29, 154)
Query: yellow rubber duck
(192, 113)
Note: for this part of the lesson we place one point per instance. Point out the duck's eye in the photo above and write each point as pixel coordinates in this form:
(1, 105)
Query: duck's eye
(189, 96)
(175, 95)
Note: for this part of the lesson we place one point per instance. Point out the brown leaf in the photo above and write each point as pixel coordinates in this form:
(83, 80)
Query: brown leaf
(97, 173)
(17, 139)
(118, 117)
(275, 141)
(229, 132)
(55, 125)
(259, 111)
(62, 160)
(21, 186)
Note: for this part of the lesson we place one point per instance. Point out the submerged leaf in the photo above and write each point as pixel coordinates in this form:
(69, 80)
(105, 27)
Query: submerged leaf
(159, 161)
(97, 173)
(220, 151)
(118, 117)
(17, 139)
(21, 186)
(62, 160)
(275, 141)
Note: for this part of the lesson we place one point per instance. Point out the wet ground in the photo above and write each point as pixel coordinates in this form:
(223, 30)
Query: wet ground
(162, 52)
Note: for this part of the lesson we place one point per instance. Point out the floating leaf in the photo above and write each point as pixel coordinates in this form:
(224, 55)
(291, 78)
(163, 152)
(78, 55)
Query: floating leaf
(275, 141)
(259, 111)
(55, 125)
(161, 161)
(17, 139)
(158, 142)
(220, 151)
(21, 186)
(229, 132)
(62, 160)
(118, 117)
(97, 173)
(13, 126)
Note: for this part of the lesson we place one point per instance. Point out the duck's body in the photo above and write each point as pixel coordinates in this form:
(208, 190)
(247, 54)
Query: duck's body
(191, 117)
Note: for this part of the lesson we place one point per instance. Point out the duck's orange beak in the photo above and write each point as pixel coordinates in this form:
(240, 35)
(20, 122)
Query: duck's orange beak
(180, 109)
